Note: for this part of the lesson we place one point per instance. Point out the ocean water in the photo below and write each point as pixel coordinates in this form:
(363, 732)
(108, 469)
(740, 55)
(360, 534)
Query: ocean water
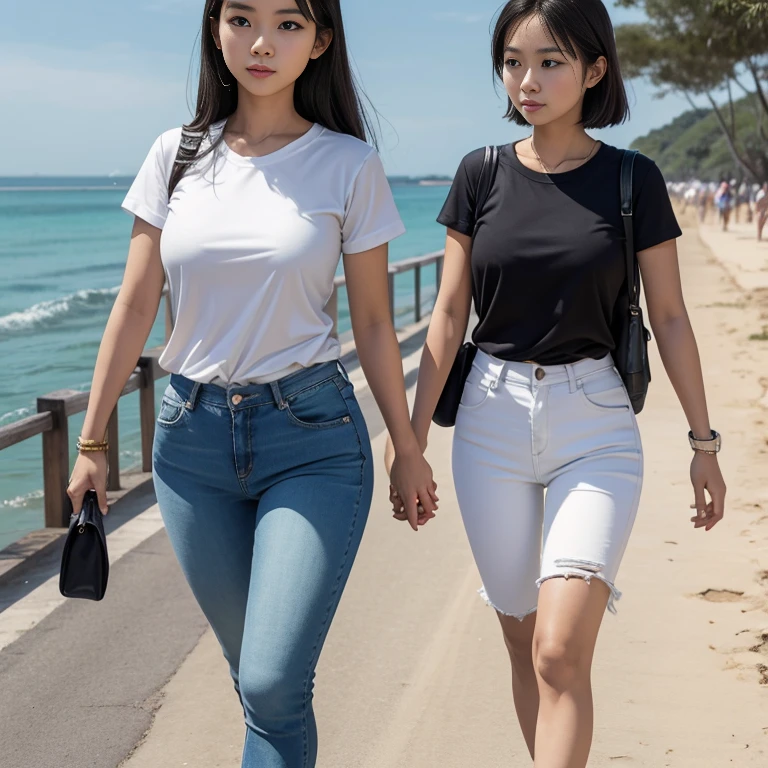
(63, 243)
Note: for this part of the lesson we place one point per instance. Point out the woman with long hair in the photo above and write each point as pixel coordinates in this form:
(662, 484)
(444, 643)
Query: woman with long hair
(262, 460)
(547, 457)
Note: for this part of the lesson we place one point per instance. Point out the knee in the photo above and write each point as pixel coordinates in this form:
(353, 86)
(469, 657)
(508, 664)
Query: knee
(271, 701)
(560, 665)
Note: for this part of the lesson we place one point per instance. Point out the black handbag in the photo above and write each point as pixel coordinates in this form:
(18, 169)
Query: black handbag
(448, 404)
(630, 334)
(84, 562)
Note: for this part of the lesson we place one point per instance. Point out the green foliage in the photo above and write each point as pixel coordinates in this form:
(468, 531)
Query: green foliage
(702, 48)
(747, 14)
(693, 145)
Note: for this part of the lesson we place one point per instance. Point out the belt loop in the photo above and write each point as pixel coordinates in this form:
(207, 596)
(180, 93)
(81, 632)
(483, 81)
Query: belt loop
(571, 378)
(194, 396)
(343, 371)
(277, 395)
(499, 377)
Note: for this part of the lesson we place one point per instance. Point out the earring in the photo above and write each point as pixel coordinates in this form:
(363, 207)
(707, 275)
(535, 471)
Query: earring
(218, 74)
(226, 85)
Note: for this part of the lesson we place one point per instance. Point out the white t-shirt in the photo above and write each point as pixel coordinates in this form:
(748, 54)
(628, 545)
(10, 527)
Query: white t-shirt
(250, 247)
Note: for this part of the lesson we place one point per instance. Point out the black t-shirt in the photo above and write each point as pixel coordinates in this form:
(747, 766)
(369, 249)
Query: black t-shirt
(548, 259)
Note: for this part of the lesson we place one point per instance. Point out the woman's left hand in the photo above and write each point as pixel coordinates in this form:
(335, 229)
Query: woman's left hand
(706, 476)
(413, 491)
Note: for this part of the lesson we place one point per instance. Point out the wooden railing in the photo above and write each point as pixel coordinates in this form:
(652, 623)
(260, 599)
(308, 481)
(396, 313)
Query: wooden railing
(54, 410)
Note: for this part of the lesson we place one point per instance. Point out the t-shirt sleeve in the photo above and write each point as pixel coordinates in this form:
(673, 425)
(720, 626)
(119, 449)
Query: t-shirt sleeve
(655, 220)
(148, 196)
(459, 210)
(371, 217)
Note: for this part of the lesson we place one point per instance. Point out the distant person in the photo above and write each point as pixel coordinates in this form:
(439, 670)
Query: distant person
(761, 210)
(724, 204)
(702, 202)
(742, 201)
(547, 455)
(262, 461)
(689, 197)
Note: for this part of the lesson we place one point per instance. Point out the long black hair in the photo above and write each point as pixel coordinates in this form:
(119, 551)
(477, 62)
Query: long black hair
(584, 29)
(325, 93)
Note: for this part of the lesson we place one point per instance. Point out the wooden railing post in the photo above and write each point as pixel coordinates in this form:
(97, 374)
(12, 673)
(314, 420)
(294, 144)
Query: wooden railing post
(56, 459)
(332, 310)
(113, 454)
(148, 368)
(417, 292)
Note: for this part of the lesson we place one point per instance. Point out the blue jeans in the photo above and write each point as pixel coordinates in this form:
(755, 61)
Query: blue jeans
(265, 490)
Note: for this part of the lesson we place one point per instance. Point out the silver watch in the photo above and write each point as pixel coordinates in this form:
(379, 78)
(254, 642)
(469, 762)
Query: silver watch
(710, 446)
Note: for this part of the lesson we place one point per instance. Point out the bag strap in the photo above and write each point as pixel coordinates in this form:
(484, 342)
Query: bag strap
(189, 146)
(627, 173)
(485, 180)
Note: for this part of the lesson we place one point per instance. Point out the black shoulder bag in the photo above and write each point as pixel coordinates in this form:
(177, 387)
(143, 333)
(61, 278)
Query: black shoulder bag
(629, 332)
(448, 404)
(84, 562)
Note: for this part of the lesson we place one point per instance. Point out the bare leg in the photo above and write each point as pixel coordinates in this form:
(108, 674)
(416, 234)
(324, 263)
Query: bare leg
(568, 621)
(518, 636)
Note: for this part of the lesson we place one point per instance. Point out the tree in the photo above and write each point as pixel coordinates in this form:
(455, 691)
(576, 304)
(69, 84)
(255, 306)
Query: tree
(746, 13)
(700, 48)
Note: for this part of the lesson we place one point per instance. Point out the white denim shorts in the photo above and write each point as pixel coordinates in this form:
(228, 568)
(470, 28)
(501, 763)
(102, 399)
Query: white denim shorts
(548, 468)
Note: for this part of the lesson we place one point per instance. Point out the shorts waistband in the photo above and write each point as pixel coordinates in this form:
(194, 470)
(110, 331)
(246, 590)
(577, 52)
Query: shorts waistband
(246, 395)
(540, 375)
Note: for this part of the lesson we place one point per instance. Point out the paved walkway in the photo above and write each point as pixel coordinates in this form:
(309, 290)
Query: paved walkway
(415, 674)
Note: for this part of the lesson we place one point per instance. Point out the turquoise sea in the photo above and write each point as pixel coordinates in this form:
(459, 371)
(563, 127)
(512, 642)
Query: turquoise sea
(63, 243)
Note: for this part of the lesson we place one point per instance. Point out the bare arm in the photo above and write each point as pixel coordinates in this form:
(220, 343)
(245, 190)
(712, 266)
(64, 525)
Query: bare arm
(379, 353)
(447, 330)
(671, 326)
(126, 333)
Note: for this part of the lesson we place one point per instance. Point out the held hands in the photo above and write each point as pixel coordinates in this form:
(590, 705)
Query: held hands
(413, 491)
(706, 475)
(90, 473)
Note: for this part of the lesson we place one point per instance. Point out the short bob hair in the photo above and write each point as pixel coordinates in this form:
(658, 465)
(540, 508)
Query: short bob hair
(584, 29)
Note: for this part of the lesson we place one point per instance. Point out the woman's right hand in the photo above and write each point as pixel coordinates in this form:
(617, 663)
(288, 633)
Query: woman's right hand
(90, 473)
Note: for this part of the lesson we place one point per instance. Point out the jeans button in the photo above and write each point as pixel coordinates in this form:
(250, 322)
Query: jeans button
(237, 399)
(540, 374)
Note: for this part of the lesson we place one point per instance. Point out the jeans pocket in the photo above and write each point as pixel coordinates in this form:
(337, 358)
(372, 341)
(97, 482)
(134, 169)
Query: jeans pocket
(322, 406)
(604, 391)
(172, 408)
(476, 390)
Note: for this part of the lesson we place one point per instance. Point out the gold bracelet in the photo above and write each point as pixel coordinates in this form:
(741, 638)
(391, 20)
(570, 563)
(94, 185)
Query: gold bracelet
(92, 446)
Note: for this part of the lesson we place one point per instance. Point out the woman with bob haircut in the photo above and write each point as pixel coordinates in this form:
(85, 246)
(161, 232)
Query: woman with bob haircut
(547, 457)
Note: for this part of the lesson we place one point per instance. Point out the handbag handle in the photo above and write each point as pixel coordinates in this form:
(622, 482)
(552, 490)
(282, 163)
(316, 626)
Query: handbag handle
(485, 180)
(627, 173)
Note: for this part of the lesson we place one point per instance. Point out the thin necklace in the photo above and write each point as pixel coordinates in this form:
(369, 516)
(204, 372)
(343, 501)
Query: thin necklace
(567, 160)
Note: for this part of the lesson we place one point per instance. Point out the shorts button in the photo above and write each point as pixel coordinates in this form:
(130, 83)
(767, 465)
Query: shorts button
(540, 374)
(237, 399)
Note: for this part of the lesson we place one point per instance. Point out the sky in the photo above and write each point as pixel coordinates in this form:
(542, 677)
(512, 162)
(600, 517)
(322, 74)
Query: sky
(87, 85)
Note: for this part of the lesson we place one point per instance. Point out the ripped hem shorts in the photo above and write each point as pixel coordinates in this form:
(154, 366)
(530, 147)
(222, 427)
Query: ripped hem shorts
(548, 468)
